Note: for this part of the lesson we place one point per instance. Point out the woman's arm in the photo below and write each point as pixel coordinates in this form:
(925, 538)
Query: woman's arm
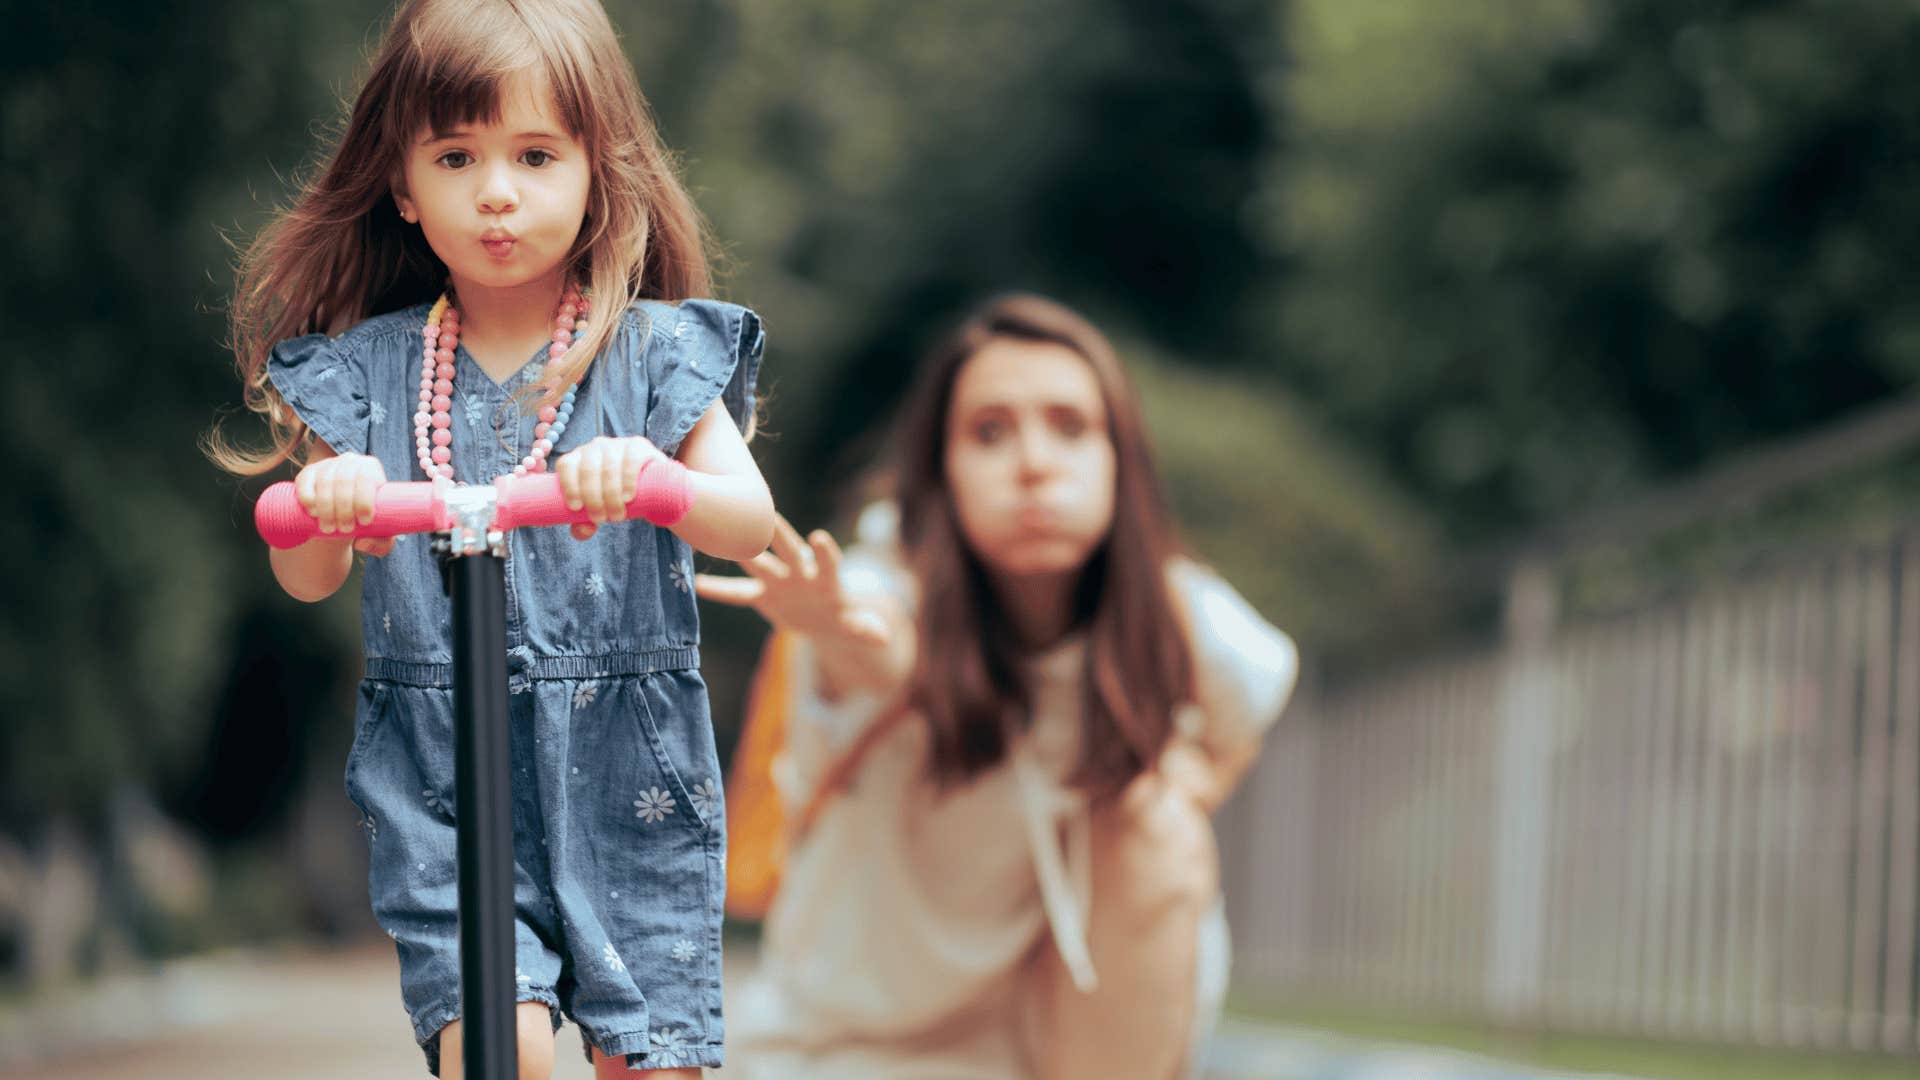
(1208, 774)
(860, 644)
(1244, 670)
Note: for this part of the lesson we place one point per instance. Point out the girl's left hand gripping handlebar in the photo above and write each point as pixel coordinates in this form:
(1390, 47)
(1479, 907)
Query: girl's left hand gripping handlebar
(663, 496)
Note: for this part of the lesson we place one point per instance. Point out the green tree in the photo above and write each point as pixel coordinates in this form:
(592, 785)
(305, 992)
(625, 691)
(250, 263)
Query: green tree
(1539, 255)
(133, 133)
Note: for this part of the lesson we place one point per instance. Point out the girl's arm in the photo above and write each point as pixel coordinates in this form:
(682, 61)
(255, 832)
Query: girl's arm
(732, 512)
(337, 489)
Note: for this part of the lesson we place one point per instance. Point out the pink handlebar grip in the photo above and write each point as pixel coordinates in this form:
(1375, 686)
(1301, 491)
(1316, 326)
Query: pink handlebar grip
(397, 508)
(663, 496)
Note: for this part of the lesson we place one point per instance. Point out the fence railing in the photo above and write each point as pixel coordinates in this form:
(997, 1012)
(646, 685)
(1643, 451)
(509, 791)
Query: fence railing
(1700, 820)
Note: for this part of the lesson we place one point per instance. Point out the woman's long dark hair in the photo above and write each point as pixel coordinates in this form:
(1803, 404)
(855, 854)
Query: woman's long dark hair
(967, 680)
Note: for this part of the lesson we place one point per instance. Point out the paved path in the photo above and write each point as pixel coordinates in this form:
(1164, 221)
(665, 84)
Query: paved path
(326, 1016)
(1244, 1050)
(301, 1016)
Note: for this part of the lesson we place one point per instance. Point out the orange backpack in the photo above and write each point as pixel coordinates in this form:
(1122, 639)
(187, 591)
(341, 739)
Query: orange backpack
(756, 822)
(759, 833)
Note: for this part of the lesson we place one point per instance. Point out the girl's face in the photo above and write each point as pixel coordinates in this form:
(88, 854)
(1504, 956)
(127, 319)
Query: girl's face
(1029, 460)
(501, 203)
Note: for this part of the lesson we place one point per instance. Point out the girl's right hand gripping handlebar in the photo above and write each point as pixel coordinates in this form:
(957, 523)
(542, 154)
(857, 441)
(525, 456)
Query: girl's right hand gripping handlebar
(663, 496)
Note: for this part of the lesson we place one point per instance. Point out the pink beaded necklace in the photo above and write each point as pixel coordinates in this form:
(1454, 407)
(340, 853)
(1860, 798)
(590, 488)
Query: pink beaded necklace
(433, 421)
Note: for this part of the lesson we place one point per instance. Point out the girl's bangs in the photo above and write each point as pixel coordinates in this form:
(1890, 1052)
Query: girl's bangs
(459, 74)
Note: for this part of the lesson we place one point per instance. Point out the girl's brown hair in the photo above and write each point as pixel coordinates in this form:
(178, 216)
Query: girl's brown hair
(967, 680)
(341, 253)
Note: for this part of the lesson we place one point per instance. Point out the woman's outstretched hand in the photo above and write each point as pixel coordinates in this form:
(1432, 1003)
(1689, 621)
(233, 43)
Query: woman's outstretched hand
(796, 587)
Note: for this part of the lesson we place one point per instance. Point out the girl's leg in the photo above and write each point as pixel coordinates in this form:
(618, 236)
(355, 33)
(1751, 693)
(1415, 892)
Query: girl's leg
(615, 1068)
(1155, 877)
(534, 1022)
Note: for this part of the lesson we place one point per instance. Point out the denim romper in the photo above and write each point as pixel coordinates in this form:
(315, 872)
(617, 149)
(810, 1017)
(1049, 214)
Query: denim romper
(619, 844)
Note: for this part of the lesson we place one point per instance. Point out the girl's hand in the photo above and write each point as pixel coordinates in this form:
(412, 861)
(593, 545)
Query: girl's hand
(796, 586)
(338, 492)
(601, 476)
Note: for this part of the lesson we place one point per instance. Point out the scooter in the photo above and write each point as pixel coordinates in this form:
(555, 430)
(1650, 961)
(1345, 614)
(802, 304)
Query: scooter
(470, 523)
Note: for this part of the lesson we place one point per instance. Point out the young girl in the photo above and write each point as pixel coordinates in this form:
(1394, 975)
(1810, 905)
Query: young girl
(1037, 700)
(483, 280)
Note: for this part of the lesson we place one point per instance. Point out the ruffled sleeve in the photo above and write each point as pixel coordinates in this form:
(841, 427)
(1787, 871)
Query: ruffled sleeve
(1244, 666)
(325, 389)
(712, 354)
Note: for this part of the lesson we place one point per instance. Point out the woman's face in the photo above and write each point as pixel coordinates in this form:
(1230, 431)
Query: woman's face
(1029, 459)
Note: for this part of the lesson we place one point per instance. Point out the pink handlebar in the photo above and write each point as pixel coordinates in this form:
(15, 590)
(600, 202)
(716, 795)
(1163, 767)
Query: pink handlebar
(663, 496)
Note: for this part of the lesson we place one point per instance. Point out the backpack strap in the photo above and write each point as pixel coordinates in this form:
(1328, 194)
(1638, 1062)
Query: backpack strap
(839, 775)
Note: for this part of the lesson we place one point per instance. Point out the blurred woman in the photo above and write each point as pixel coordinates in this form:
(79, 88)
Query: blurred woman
(1012, 715)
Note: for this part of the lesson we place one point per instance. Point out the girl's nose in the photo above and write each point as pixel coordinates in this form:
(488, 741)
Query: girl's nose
(497, 194)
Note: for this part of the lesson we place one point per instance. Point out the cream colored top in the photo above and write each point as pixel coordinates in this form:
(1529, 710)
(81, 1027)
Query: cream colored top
(904, 917)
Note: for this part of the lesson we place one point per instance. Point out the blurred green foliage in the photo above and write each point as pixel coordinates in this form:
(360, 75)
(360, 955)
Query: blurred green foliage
(132, 134)
(1540, 254)
(1397, 276)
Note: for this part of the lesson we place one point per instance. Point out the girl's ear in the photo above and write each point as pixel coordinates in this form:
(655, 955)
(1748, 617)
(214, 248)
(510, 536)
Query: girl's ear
(400, 200)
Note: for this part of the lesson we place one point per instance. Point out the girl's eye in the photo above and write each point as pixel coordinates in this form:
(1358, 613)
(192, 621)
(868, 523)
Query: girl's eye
(536, 158)
(456, 159)
(1070, 424)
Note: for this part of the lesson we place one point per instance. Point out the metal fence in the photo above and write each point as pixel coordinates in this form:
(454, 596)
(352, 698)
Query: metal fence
(1699, 820)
